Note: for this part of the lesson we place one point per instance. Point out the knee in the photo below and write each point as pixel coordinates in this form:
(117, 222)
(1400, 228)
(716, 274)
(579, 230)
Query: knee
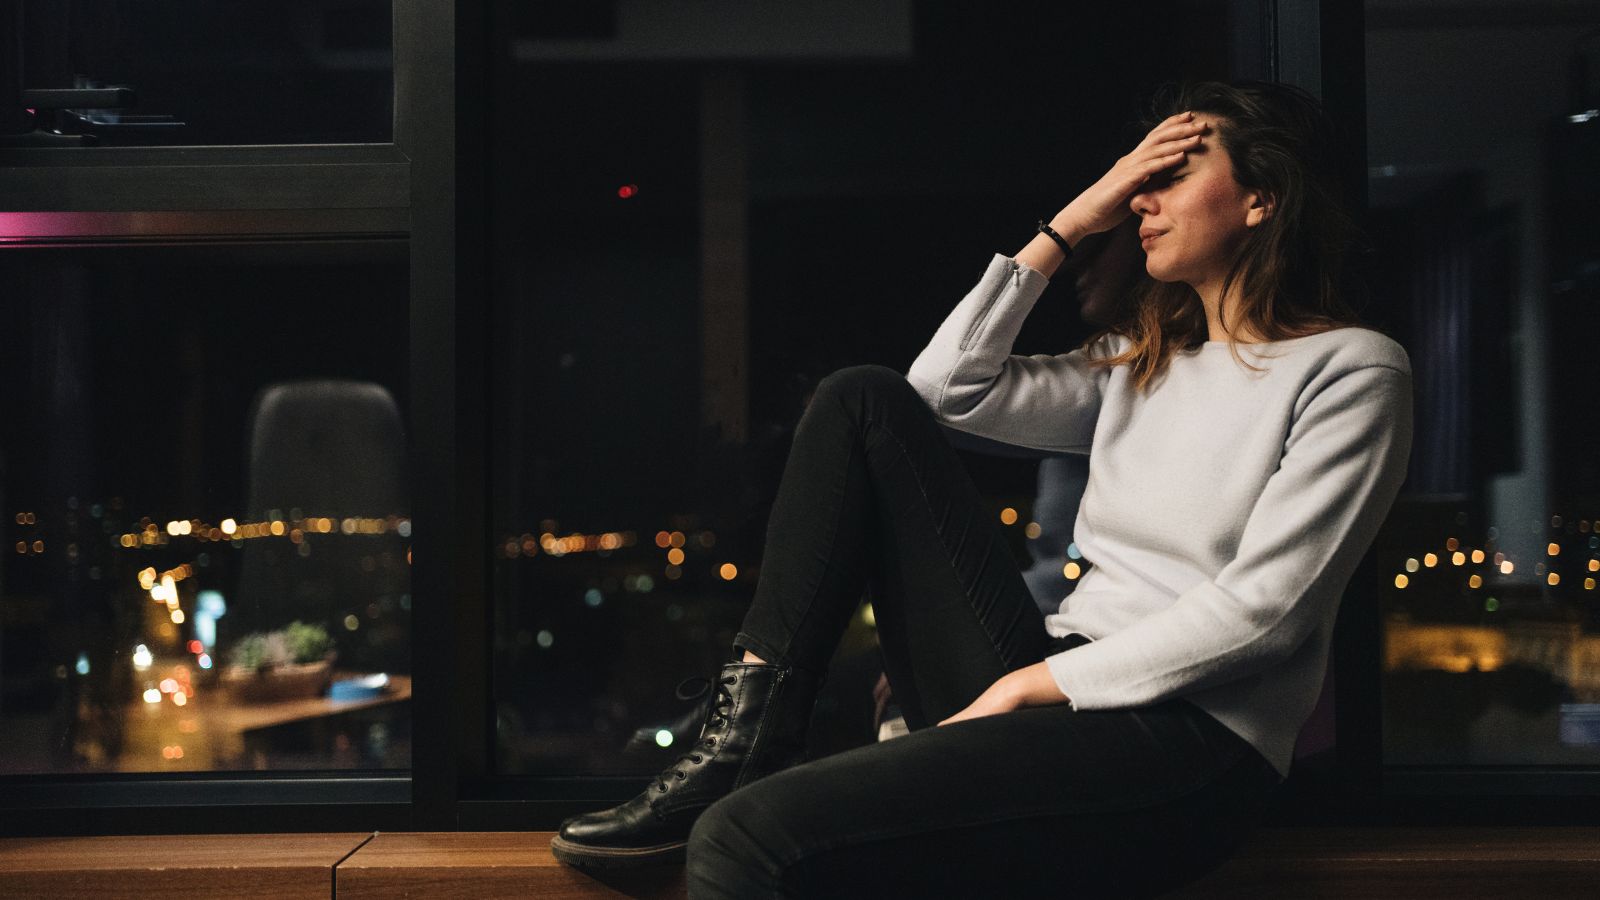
(857, 381)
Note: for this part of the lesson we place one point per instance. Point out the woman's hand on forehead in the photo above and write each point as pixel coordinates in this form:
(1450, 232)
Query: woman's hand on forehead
(1105, 204)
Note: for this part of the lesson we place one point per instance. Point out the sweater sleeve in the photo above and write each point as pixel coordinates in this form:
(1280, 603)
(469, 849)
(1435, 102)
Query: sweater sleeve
(973, 383)
(1341, 470)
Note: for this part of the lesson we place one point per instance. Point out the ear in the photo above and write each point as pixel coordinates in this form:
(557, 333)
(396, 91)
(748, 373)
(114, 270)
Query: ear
(1261, 209)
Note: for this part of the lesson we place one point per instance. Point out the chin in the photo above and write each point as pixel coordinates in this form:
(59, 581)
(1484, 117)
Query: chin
(1160, 272)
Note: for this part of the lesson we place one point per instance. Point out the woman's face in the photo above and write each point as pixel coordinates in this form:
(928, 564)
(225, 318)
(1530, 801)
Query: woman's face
(1202, 214)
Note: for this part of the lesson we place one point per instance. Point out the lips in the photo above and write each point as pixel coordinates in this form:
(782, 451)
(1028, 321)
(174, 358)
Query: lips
(1146, 235)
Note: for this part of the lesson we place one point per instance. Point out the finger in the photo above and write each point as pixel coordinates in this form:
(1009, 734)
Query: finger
(1163, 162)
(1174, 146)
(1169, 147)
(1140, 169)
(1184, 116)
(1141, 174)
(1170, 123)
(1176, 132)
(1171, 129)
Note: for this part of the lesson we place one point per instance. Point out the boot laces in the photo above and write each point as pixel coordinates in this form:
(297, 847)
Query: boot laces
(721, 705)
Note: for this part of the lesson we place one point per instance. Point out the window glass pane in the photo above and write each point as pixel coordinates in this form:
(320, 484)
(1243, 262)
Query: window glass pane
(300, 71)
(693, 229)
(207, 530)
(1483, 138)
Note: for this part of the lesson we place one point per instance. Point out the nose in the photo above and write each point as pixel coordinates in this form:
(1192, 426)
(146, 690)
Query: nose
(1141, 202)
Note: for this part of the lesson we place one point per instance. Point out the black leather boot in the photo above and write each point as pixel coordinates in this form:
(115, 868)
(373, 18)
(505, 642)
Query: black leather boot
(756, 726)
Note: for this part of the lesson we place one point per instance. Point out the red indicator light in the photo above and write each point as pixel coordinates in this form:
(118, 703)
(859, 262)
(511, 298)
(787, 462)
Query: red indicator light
(627, 190)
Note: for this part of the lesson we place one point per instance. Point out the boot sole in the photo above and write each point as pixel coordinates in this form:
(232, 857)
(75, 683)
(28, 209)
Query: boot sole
(587, 856)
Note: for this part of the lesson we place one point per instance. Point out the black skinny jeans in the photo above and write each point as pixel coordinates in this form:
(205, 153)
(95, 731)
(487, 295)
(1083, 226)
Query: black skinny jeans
(1041, 801)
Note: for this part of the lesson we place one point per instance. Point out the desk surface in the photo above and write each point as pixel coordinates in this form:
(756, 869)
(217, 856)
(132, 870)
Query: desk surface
(208, 733)
(243, 717)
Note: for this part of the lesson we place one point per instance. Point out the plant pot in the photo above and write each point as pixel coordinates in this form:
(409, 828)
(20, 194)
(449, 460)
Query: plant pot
(268, 684)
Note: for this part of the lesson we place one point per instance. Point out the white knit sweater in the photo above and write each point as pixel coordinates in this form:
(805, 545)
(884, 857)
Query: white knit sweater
(1225, 510)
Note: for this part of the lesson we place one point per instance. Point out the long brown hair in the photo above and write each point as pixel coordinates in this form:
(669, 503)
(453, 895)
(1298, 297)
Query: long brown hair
(1281, 142)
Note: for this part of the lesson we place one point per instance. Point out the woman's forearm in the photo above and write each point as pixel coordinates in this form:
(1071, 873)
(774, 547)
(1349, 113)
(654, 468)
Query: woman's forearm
(1034, 685)
(1042, 254)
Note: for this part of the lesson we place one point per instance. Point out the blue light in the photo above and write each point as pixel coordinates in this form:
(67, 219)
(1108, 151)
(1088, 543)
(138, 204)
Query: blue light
(209, 608)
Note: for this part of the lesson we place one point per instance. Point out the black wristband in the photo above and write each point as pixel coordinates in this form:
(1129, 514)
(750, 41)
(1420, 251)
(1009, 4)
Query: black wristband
(1060, 241)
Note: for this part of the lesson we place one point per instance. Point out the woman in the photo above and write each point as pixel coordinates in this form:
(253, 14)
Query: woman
(1129, 742)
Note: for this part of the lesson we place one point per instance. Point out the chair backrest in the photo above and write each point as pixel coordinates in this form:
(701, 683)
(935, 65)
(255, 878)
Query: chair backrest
(326, 444)
(328, 448)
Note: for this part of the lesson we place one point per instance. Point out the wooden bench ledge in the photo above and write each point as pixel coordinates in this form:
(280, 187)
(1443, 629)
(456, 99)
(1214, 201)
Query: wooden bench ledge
(258, 866)
(446, 864)
(1462, 863)
(1459, 862)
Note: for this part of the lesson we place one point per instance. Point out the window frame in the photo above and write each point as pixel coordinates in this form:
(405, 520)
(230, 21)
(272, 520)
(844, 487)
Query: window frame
(429, 188)
(298, 199)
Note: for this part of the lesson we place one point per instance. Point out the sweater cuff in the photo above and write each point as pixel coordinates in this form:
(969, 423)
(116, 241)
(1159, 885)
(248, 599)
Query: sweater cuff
(1061, 671)
(1023, 275)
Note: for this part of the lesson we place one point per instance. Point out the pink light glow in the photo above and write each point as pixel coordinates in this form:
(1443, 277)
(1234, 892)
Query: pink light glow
(24, 225)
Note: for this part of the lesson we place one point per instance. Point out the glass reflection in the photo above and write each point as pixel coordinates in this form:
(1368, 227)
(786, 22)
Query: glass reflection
(207, 535)
(1481, 140)
(182, 72)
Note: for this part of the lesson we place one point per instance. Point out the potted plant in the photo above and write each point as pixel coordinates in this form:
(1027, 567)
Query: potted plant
(291, 663)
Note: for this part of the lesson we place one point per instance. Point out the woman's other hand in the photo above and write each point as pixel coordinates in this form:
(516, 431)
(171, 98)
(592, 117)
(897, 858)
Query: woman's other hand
(1030, 686)
(1105, 204)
